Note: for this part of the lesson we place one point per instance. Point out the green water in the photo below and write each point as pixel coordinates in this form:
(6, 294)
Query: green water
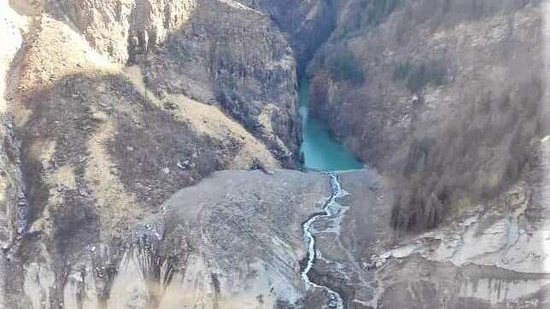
(321, 152)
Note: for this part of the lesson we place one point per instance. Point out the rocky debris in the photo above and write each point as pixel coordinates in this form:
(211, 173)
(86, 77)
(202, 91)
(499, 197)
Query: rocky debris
(246, 236)
(376, 261)
(259, 165)
(101, 153)
(170, 105)
(471, 261)
(236, 238)
(185, 165)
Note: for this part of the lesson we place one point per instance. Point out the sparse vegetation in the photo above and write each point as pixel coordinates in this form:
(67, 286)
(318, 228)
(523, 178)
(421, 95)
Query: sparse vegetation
(377, 10)
(343, 66)
(476, 157)
(417, 76)
(365, 14)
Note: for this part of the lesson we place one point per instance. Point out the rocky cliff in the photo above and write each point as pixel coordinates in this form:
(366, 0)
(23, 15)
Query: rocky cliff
(233, 56)
(307, 24)
(216, 52)
(122, 29)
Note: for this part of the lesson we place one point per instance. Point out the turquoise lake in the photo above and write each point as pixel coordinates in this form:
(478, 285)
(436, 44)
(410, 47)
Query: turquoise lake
(320, 150)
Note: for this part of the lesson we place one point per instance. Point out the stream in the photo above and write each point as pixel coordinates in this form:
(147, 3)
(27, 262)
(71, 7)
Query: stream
(335, 300)
(321, 152)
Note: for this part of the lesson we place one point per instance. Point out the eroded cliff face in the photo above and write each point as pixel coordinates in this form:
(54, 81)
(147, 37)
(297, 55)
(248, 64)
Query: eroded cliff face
(120, 29)
(444, 96)
(231, 55)
(307, 24)
(239, 246)
(12, 198)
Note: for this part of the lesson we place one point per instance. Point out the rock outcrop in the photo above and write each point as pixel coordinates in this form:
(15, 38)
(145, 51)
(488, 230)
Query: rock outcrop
(12, 198)
(232, 56)
(123, 29)
(307, 24)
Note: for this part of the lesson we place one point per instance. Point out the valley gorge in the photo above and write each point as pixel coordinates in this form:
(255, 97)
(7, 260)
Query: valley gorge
(274, 154)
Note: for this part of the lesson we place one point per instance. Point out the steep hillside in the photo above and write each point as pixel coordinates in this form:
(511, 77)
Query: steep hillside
(443, 96)
(89, 150)
(234, 57)
(215, 52)
(237, 240)
(123, 29)
(307, 24)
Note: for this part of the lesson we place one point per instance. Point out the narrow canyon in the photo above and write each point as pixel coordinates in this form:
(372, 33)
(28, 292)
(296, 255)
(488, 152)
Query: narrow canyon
(340, 154)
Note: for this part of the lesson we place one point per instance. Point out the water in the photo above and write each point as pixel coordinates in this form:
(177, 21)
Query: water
(335, 301)
(321, 152)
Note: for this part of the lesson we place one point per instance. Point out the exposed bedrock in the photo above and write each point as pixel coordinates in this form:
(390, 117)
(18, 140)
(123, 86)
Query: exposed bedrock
(233, 56)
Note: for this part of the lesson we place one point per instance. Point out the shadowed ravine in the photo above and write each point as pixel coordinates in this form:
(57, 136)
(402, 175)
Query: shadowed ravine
(335, 300)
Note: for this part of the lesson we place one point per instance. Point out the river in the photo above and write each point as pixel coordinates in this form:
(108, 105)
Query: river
(335, 300)
(320, 150)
